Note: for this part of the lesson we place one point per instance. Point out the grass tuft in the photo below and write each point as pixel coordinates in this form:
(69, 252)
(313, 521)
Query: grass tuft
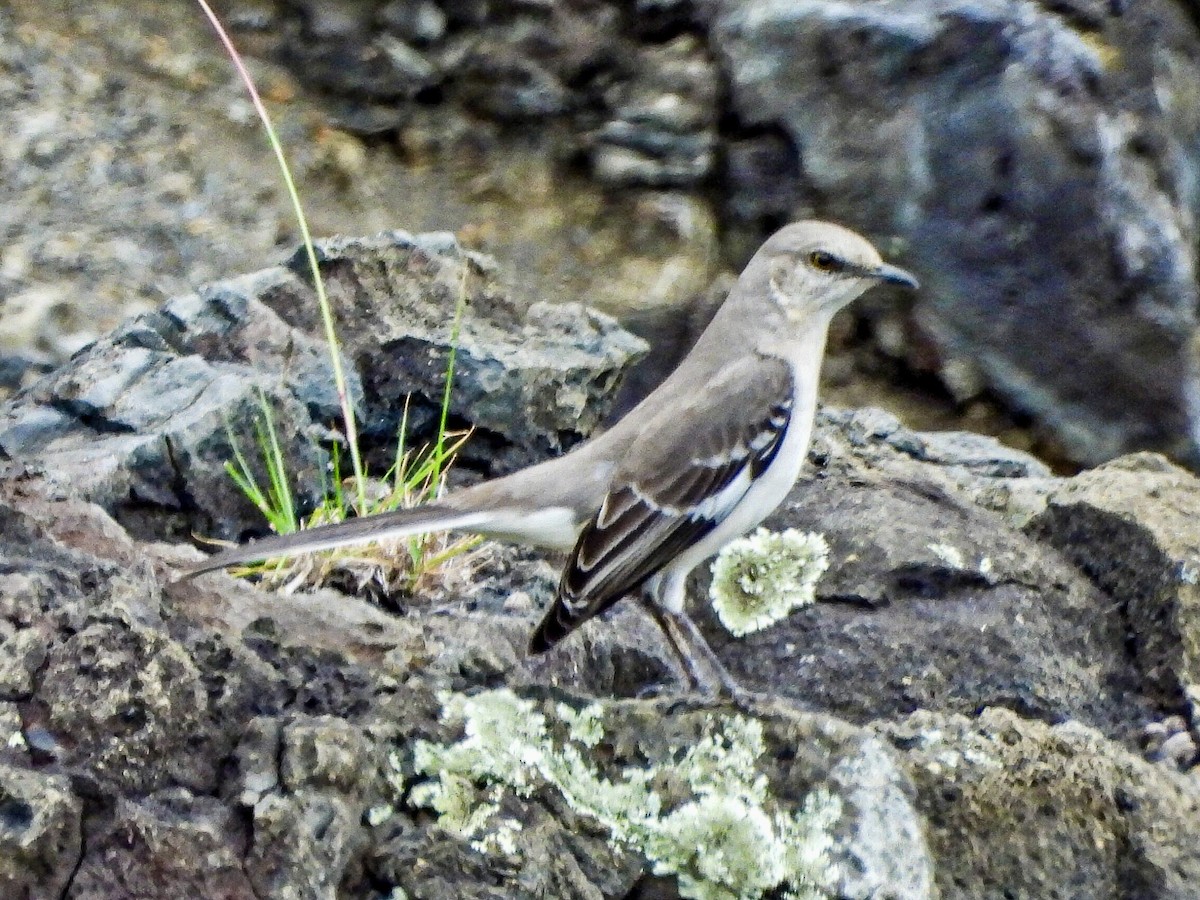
(417, 475)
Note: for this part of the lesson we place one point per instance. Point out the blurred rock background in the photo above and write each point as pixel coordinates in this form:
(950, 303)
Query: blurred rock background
(1034, 163)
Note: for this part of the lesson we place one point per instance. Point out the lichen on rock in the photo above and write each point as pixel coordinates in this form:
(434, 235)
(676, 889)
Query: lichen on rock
(728, 839)
(759, 579)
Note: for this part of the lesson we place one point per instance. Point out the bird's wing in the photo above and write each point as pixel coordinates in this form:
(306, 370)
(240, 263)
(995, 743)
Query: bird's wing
(679, 479)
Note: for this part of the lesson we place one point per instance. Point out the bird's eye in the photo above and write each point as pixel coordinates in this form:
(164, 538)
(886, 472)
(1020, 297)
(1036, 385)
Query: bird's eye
(825, 262)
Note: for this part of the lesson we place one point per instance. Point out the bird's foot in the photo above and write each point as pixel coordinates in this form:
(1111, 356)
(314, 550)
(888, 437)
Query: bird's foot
(751, 703)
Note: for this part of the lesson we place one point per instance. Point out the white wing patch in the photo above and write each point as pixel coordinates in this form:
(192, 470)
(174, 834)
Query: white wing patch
(717, 506)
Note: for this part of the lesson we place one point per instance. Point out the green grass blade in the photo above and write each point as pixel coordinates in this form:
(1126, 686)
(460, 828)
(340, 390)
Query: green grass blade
(281, 492)
(339, 376)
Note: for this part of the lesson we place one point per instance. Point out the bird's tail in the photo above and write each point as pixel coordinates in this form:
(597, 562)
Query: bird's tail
(384, 526)
(556, 624)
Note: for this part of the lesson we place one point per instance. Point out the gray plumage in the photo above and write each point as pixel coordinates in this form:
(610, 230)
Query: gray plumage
(702, 460)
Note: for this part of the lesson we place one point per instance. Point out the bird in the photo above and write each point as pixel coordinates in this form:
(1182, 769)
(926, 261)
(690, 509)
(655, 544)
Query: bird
(702, 460)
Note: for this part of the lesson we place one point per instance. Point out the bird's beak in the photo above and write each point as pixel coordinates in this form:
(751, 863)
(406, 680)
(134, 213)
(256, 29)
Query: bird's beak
(896, 275)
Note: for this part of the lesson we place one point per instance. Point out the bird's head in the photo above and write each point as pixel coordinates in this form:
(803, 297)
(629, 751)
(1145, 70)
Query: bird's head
(817, 267)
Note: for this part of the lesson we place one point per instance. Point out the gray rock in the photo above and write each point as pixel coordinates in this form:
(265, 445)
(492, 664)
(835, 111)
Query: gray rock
(532, 381)
(932, 601)
(421, 21)
(879, 845)
(304, 844)
(313, 702)
(510, 87)
(1028, 162)
(140, 421)
(1051, 811)
(663, 129)
(39, 833)
(170, 843)
(1131, 526)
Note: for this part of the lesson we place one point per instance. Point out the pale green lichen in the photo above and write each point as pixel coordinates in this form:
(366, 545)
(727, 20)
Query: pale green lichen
(729, 841)
(759, 579)
(586, 725)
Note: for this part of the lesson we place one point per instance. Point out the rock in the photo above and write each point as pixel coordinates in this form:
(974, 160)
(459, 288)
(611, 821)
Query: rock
(128, 705)
(39, 833)
(170, 843)
(532, 381)
(876, 843)
(140, 421)
(663, 129)
(938, 605)
(762, 174)
(1131, 526)
(304, 844)
(932, 602)
(420, 21)
(1046, 805)
(1002, 151)
(510, 87)
(999, 130)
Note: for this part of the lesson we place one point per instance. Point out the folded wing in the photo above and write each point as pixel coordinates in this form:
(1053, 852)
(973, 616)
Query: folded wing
(678, 481)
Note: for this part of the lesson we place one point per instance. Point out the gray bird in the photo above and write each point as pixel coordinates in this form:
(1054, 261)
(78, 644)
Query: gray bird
(701, 461)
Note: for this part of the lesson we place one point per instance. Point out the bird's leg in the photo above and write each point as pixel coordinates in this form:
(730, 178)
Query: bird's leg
(694, 653)
(692, 667)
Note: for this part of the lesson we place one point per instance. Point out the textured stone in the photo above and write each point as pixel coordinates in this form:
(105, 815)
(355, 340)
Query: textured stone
(170, 844)
(1028, 161)
(532, 381)
(931, 601)
(141, 421)
(1132, 526)
(312, 703)
(1020, 809)
(40, 842)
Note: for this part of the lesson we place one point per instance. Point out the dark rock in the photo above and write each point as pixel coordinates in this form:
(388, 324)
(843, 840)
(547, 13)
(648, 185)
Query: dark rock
(663, 127)
(420, 21)
(304, 844)
(532, 381)
(311, 702)
(1131, 526)
(1026, 165)
(40, 842)
(511, 88)
(761, 174)
(151, 847)
(931, 602)
(140, 421)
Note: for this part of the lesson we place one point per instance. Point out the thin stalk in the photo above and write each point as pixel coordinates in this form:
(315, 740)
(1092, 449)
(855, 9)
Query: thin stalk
(339, 376)
(455, 327)
(268, 440)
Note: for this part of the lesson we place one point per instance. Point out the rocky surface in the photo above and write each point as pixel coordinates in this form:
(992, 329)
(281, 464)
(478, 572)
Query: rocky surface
(1040, 178)
(136, 171)
(1034, 162)
(940, 604)
(997, 690)
(994, 696)
(141, 421)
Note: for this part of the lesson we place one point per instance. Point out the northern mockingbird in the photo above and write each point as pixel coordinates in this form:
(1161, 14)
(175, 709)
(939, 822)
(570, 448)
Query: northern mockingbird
(702, 460)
